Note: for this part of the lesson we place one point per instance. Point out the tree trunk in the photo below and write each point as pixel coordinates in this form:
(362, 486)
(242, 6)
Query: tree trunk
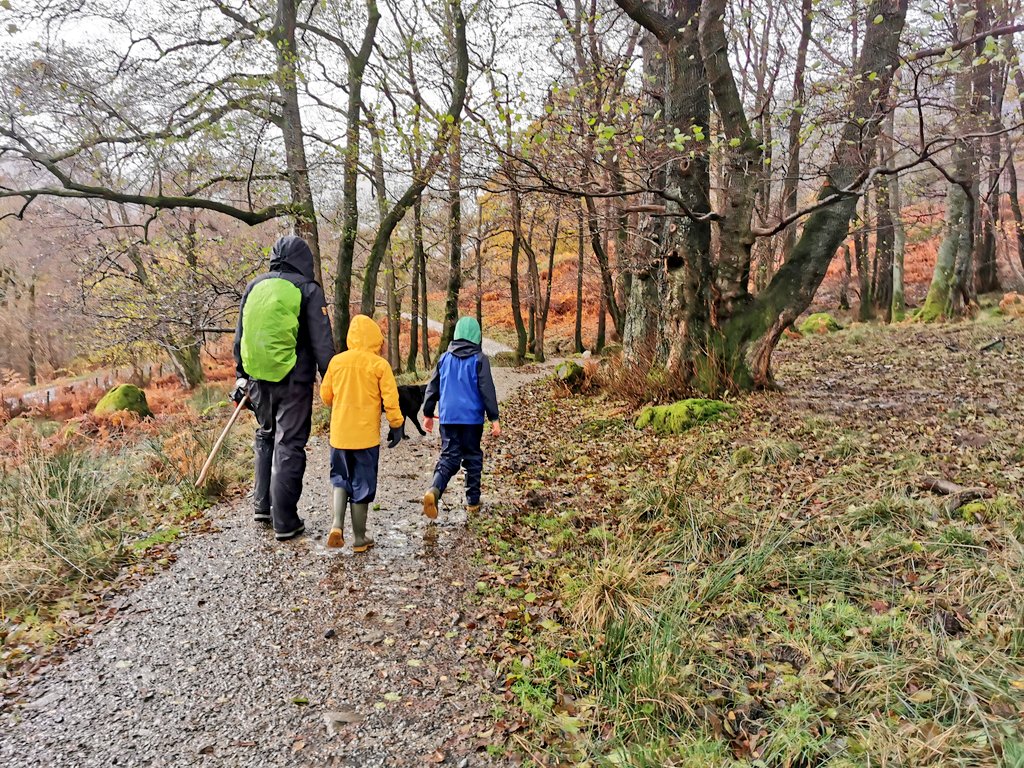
(580, 261)
(791, 182)
(517, 312)
(946, 293)
(417, 276)
(451, 304)
(899, 304)
(884, 250)
(860, 252)
(424, 309)
(844, 284)
(291, 130)
(480, 265)
(31, 330)
(447, 133)
(544, 300)
(350, 175)
(1013, 192)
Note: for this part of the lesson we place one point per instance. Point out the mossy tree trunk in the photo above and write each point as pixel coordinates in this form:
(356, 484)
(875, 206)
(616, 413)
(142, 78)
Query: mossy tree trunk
(703, 352)
(948, 293)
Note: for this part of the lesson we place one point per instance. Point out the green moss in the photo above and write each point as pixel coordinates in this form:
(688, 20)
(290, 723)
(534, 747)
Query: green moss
(570, 374)
(819, 323)
(974, 511)
(681, 416)
(124, 397)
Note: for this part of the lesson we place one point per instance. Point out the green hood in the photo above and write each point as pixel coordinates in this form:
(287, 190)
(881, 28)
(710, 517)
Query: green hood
(467, 328)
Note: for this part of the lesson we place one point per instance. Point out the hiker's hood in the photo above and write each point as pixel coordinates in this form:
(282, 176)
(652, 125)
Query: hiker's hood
(467, 328)
(292, 254)
(364, 334)
(463, 348)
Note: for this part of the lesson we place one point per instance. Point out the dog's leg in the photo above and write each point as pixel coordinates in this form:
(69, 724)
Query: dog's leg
(416, 421)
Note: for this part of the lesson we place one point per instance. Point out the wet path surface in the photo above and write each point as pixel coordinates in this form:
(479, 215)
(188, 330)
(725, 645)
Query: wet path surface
(246, 652)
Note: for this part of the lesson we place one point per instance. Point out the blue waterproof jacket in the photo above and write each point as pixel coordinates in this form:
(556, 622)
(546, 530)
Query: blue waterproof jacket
(463, 386)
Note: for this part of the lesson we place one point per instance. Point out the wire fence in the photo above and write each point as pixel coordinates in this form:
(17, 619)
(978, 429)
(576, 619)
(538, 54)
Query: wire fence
(44, 397)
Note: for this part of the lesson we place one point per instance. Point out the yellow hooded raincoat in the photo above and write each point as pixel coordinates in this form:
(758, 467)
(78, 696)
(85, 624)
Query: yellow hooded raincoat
(357, 382)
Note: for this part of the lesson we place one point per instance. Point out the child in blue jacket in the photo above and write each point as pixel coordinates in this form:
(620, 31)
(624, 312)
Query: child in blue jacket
(463, 386)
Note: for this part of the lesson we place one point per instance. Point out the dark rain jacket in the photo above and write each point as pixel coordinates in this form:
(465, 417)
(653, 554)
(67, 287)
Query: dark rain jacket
(463, 386)
(291, 260)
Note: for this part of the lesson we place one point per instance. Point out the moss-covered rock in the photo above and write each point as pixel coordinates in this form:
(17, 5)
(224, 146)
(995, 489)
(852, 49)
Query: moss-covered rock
(571, 374)
(124, 397)
(819, 323)
(681, 416)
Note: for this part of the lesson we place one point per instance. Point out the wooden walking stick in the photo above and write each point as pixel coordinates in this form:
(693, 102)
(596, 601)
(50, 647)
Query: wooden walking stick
(220, 440)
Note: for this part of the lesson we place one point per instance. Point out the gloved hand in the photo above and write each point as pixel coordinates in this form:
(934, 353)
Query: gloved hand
(394, 436)
(241, 390)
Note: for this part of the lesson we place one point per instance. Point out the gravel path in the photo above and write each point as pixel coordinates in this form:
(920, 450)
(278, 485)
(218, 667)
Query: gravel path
(246, 652)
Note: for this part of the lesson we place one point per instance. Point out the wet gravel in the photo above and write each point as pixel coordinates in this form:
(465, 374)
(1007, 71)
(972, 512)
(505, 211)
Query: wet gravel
(247, 652)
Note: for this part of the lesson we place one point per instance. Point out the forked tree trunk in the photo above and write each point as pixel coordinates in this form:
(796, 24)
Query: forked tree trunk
(357, 62)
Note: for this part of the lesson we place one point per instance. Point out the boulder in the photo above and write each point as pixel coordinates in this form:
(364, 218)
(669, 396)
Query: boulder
(820, 323)
(571, 374)
(683, 415)
(124, 397)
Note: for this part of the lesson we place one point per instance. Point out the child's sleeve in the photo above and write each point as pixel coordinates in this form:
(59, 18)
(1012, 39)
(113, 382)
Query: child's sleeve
(389, 395)
(433, 393)
(485, 383)
(327, 385)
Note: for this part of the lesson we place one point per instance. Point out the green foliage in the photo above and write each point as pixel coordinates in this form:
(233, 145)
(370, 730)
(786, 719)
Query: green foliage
(683, 415)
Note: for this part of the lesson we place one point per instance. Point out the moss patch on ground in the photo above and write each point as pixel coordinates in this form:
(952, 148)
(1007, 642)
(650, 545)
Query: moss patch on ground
(819, 323)
(683, 415)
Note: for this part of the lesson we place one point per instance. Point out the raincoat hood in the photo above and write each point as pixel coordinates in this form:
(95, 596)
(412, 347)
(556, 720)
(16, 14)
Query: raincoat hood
(364, 334)
(467, 328)
(292, 254)
(463, 348)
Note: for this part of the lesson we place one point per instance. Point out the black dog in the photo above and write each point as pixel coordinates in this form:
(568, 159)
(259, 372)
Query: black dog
(410, 400)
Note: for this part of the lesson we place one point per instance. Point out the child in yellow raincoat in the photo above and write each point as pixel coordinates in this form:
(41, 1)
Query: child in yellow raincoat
(358, 381)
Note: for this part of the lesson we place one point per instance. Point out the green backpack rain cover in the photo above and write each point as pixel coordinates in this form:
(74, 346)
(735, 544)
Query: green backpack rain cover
(270, 329)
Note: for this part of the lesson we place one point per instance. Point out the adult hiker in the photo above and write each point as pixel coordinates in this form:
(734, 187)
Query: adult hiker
(283, 337)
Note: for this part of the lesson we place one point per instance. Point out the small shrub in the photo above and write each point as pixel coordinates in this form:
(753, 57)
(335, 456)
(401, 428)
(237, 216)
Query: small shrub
(59, 525)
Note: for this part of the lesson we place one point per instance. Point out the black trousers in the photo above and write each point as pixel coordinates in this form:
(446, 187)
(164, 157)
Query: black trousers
(284, 412)
(460, 445)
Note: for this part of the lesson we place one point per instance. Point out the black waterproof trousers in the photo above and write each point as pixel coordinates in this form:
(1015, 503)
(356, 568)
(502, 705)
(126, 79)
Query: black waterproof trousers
(460, 444)
(284, 411)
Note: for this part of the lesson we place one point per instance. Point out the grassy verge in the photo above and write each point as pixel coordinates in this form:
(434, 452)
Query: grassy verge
(774, 589)
(90, 505)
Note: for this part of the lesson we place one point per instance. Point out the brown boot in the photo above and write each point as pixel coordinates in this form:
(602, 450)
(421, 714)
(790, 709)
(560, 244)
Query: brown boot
(472, 509)
(430, 503)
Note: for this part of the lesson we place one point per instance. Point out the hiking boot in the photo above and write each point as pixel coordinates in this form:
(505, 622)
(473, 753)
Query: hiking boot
(292, 534)
(336, 538)
(262, 517)
(362, 541)
(472, 509)
(430, 499)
